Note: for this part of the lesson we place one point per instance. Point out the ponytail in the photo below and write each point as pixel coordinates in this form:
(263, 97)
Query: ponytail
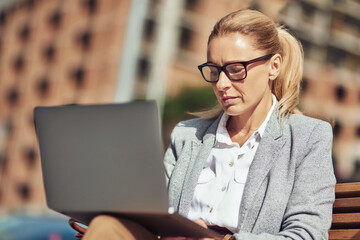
(286, 87)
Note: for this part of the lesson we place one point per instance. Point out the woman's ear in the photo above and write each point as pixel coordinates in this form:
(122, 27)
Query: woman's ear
(274, 66)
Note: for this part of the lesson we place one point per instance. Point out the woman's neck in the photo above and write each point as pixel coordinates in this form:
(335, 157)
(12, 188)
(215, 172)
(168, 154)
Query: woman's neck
(249, 122)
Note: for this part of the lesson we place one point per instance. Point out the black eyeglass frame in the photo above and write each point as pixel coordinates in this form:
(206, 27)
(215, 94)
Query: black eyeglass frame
(223, 68)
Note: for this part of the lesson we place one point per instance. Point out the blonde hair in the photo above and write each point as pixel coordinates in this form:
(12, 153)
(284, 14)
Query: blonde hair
(272, 39)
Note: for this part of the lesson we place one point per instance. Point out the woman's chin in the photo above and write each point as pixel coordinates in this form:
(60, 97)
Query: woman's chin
(233, 110)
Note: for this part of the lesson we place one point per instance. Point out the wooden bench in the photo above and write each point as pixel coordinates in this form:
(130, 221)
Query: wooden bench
(346, 212)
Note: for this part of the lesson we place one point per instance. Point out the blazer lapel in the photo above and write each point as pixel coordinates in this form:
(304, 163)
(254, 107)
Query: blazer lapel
(199, 155)
(267, 152)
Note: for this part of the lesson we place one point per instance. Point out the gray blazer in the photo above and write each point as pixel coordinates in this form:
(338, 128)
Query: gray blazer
(289, 190)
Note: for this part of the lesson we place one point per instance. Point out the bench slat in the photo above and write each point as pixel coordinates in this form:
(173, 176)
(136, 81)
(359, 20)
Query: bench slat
(346, 205)
(346, 234)
(346, 212)
(347, 190)
(346, 220)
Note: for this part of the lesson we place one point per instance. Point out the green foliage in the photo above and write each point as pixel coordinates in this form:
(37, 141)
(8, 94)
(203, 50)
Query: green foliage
(190, 100)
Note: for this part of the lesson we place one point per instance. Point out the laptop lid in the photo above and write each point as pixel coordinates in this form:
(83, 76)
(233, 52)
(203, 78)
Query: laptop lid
(100, 150)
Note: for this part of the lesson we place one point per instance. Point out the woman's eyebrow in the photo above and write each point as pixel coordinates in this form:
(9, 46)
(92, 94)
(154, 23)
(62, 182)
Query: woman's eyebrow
(210, 62)
(226, 63)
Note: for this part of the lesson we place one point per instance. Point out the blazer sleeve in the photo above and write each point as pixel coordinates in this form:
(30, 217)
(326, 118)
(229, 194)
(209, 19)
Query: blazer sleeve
(170, 157)
(309, 211)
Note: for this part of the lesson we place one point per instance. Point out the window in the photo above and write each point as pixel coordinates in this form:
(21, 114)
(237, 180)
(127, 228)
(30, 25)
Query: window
(49, 52)
(304, 84)
(191, 4)
(30, 4)
(43, 86)
(254, 5)
(85, 39)
(19, 63)
(143, 67)
(186, 36)
(353, 23)
(91, 5)
(335, 56)
(358, 131)
(340, 93)
(30, 156)
(149, 29)
(55, 18)
(24, 32)
(306, 46)
(24, 191)
(308, 11)
(337, 128)
(13, 96)
(78, 75)
(2, 159)
(2, 18)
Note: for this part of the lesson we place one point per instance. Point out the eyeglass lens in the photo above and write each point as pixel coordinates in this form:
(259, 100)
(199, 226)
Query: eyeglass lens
(235, 71)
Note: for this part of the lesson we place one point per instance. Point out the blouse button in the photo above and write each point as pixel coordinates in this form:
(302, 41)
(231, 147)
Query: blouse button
(223, 189)
(231, 164)
(211, 209)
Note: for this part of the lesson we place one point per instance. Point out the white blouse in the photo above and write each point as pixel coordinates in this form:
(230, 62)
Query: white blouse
(219, 190)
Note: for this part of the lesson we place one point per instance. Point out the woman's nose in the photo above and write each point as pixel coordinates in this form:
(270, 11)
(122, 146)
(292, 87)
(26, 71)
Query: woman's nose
(224, 82)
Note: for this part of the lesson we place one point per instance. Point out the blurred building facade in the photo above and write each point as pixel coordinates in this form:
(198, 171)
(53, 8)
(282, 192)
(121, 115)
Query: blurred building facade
(69, 51)
(51, 52)
(330, 34)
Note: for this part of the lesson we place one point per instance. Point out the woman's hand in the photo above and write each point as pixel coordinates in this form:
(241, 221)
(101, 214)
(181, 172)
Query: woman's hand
(200, 222)
(80, 230)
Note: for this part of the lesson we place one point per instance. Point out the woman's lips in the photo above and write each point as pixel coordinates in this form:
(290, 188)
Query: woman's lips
(228, 100)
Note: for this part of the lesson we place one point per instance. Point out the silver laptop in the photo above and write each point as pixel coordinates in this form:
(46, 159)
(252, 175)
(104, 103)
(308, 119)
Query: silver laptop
(107, 159)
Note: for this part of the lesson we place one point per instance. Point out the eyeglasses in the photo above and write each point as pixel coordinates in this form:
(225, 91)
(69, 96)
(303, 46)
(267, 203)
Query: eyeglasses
(235, 71)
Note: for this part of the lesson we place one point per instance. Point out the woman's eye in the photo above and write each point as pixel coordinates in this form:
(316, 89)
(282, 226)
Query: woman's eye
(213, 73)
(236, 69)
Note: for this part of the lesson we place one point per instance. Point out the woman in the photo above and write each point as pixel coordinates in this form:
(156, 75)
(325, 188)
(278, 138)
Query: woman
(257, 168)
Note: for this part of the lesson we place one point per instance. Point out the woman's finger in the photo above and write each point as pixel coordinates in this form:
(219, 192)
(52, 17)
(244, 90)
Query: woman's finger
(73, 223)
